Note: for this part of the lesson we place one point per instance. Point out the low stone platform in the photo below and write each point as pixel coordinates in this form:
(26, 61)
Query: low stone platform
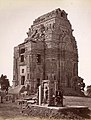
(72, 112)
(62, 108)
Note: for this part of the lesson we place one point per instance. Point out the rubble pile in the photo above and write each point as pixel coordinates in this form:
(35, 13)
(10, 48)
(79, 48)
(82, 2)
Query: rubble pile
(45, 112)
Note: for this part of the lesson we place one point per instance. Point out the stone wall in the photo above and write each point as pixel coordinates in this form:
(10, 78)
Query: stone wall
(50, 52)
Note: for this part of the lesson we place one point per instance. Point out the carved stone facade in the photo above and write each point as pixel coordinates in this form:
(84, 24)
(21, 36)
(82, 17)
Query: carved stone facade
(48, 53)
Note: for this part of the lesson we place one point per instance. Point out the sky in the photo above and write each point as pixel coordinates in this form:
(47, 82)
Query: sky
(16, 16)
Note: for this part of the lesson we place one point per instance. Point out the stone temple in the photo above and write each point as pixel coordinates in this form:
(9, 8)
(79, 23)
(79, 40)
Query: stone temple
(48, 53)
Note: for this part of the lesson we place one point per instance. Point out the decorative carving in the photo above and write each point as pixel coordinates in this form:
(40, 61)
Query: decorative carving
(54, 13)
(36, 34)
(29, 32)
(41, 32)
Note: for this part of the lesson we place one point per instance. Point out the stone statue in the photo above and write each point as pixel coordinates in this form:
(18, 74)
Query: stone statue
(59, 98)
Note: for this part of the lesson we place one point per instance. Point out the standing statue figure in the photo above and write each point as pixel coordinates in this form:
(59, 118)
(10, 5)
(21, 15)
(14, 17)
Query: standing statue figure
(59, 98)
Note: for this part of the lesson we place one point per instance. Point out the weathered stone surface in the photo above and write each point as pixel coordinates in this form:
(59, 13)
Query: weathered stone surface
(49, 52)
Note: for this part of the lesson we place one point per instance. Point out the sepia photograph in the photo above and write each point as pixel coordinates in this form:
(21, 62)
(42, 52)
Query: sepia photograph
(45, 63)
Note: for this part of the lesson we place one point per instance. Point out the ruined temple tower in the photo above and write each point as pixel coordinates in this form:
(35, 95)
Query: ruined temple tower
(48, 53)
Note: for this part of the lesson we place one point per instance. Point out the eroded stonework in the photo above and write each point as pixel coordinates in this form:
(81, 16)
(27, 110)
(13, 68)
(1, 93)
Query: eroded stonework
(48, 53)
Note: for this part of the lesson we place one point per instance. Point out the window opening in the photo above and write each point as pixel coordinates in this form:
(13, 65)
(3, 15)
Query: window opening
(22, 58)
(27, 76)
(22, 70)
(54, 77)
(22, 80)
(22, 51)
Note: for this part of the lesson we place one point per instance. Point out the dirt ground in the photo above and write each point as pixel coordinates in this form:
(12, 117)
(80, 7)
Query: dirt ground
(11, 111)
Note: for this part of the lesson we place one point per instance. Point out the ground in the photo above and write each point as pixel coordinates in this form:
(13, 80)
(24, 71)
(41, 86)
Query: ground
(11, 111)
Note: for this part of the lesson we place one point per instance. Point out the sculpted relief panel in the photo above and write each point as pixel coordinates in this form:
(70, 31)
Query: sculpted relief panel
(68, 44)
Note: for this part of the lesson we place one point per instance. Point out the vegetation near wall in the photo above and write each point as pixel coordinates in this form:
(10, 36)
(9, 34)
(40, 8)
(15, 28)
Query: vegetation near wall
(88, 92)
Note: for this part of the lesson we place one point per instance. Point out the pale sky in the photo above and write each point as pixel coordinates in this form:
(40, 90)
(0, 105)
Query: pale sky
(16, 16)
